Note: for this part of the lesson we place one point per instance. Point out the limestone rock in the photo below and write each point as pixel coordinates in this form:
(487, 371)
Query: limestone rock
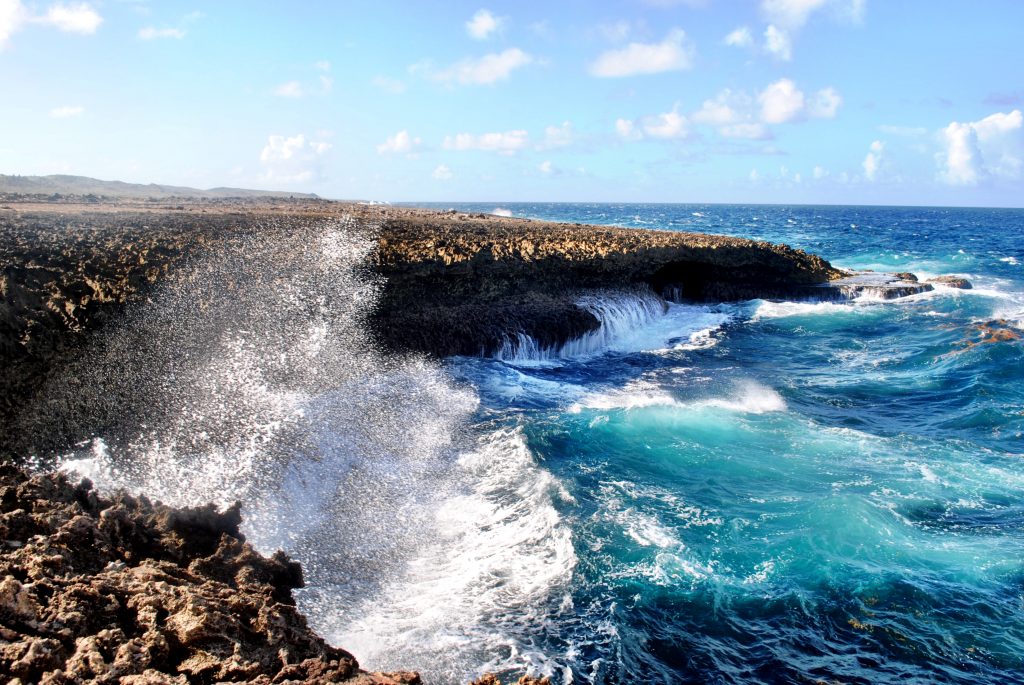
(123, 590)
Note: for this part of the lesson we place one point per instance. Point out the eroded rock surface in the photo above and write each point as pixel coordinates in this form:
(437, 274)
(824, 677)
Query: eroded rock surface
(123, 590)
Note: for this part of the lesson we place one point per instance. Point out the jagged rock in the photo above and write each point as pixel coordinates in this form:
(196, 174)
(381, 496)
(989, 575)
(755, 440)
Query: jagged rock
(951, 282)
(491, 679)
(124, 590)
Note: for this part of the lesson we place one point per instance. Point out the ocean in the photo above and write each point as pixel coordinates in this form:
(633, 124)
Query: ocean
(751, 492)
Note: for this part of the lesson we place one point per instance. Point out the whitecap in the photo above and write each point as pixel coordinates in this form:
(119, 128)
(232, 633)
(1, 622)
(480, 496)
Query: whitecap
(501, 211)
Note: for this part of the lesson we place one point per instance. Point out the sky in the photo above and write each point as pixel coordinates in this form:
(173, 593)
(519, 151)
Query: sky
(909, 102)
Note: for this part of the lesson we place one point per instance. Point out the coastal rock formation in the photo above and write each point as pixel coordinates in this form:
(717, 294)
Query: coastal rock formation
(464, 284)
(454, 283)
(951, 282)
(123, 590)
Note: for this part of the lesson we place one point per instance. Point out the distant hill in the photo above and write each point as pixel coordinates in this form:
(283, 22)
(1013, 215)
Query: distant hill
(83, 185)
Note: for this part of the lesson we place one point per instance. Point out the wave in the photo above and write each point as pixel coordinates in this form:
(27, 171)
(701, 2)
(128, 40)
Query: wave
(421, 548)
(501, 211)
(747, 397)
(631, 321)
(498, 563)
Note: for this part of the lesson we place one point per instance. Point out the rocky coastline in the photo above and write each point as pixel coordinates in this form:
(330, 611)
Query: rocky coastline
(118, 588)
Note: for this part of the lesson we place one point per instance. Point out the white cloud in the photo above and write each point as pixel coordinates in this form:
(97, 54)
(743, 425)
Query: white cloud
(722, 110)
(665, 126)
(740, 38)
(289, 89)
(778, 43)
(825, 104)
(77, 17)
(293, 159)
(557, 136)
(504, 143)
(442, 173)
(675, 53)
(66, 112)
(754, 176)
(151, 33)
(389, 85)
(12, 16)
(780, 102)
(977, 150)
(791, 13)
(627, 129)
(873, 160)
(486, 70)
(400, 143)
(483, 24)
(546, 167)
(322, 65)
(820, 172)
(787, 17)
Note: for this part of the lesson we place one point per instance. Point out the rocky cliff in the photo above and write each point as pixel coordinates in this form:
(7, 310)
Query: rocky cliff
(461, 284)
(453, 283)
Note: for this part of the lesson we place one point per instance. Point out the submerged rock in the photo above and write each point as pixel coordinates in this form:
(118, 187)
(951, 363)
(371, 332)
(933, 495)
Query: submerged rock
(123, 590)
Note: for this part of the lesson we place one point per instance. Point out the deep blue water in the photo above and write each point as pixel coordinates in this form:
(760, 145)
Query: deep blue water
(789, 492)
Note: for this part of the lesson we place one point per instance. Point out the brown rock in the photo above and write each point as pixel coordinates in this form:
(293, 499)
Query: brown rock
(123, 590)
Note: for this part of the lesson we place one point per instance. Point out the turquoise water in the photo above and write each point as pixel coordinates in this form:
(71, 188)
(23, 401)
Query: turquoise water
(753, 492)
(791, 492)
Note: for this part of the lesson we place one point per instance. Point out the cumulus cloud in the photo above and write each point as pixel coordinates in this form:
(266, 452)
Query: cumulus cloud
(78, 17)
(740, 38)
(12, 16)
(152, 33)
(665, 126)
(873, 160)
(791, 13)
(675, 53)
(978, 150)
(68, 17)
(400, 143)
(504, 143)
(627, 129)
(483, 24)
(442, 173)
(820, 172)
(778, 43)
(289, 89)
(546, 167)
(292, 159)
(780, 102)
(485, 70)
(66, 112)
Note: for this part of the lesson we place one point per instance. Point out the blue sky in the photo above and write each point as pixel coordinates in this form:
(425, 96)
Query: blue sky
(784, 101)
